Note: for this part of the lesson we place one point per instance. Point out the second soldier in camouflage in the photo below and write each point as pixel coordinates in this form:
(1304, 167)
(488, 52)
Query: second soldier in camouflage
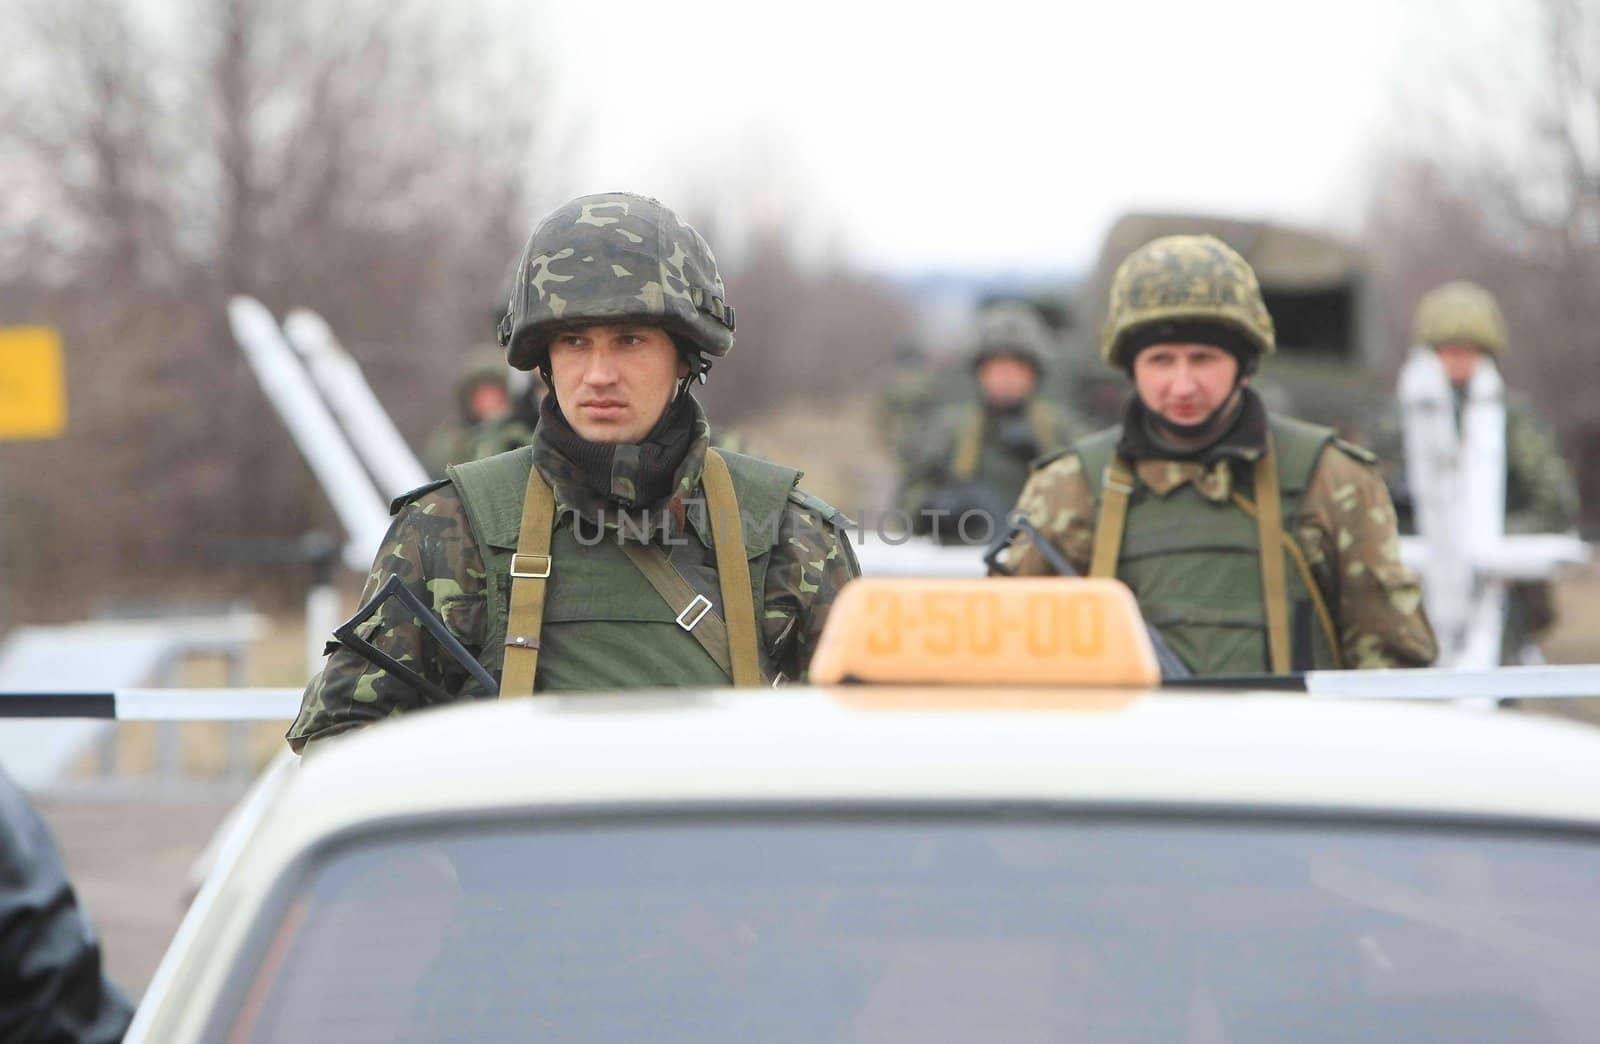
(1172, 500)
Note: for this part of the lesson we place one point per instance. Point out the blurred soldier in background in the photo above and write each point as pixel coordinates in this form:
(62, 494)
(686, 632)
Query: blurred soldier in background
(618, 551)
(977, 455)
(484, 423)
(1462, 322)
(51, 985)
(1252, 541)
(908, 402)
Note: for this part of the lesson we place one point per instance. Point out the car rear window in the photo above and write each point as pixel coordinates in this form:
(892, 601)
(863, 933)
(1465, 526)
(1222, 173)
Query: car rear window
(936, 928)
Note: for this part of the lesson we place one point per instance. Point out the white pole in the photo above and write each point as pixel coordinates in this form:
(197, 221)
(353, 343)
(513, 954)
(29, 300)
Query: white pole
(1433, 466)
(365, 422)
(356, 501)
(1566, 681)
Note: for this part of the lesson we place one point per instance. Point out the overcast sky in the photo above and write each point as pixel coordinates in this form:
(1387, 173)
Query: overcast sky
(993, 135)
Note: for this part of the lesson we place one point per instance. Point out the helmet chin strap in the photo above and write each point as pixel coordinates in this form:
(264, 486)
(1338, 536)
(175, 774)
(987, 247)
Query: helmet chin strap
(699, 367)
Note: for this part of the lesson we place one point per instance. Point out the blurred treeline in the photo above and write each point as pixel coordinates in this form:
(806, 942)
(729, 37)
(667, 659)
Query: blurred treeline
(380, 163)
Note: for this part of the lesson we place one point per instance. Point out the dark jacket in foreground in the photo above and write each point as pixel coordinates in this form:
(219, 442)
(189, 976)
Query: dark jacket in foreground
(51, 985)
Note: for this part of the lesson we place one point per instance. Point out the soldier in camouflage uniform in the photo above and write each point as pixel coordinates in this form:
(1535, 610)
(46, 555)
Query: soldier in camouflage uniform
(1176, 500)
(1462, 322)
(485, 423)
(977, 455)
(620, 307)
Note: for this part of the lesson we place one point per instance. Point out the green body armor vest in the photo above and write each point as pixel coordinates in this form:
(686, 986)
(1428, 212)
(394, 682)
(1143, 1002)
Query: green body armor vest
(1194, 564)
(977, 459)
(605, 627)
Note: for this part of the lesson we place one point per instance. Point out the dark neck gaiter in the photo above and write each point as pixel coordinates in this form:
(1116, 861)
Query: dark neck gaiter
(1245, 438)
(629, 474)
(1007, 410)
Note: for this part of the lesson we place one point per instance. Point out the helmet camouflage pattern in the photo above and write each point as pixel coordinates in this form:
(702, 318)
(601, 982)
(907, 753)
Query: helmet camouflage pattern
(1184, 279)
(1460, 312)
(611, 257)
(1013, 328)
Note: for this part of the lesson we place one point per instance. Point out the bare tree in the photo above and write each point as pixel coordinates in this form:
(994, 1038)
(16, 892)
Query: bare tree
(84, 150)
(368, 160)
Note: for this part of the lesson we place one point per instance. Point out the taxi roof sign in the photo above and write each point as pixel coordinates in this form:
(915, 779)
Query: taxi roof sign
(1016, 631)
(33, 397)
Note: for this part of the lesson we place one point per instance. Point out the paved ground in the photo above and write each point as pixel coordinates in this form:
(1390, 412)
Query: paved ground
(129, 859)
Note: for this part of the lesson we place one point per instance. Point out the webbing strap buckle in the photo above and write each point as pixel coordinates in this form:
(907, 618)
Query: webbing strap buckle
(699, 607)
(530, 567)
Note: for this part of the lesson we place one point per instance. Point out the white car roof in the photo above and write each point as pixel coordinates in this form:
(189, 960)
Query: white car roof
(1256, 753)
(875, 744)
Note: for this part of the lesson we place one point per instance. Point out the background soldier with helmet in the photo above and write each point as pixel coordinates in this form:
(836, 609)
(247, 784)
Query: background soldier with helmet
(609, 554)
(486, 420)
(1462, 322)
(977, 455)
(1253, 542)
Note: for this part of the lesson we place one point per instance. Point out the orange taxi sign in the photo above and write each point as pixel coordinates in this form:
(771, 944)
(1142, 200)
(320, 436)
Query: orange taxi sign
(33, 398)
(1015, 631)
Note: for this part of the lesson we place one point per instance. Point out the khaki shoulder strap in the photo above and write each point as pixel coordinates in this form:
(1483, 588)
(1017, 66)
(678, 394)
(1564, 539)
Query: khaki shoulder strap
(1303, 567)
(1274, 588)
(733, 570)
(695, 613)
(1042, 422)
(731, 642)
(530, 571)
(969, 448)
(1112, 519)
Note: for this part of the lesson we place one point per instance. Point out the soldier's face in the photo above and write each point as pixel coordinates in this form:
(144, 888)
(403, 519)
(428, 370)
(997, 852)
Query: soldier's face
(1460, 362)
(1184, 383)
(489, 402)
(614, 382)
(1006, 380)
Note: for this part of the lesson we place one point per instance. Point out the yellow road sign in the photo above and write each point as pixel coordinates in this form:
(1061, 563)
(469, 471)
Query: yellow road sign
(33, 386)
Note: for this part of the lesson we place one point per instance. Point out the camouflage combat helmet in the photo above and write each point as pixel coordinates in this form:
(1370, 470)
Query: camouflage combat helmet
(1185, 284)
(1012, 328)
(611, 257)
(1460, 312)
